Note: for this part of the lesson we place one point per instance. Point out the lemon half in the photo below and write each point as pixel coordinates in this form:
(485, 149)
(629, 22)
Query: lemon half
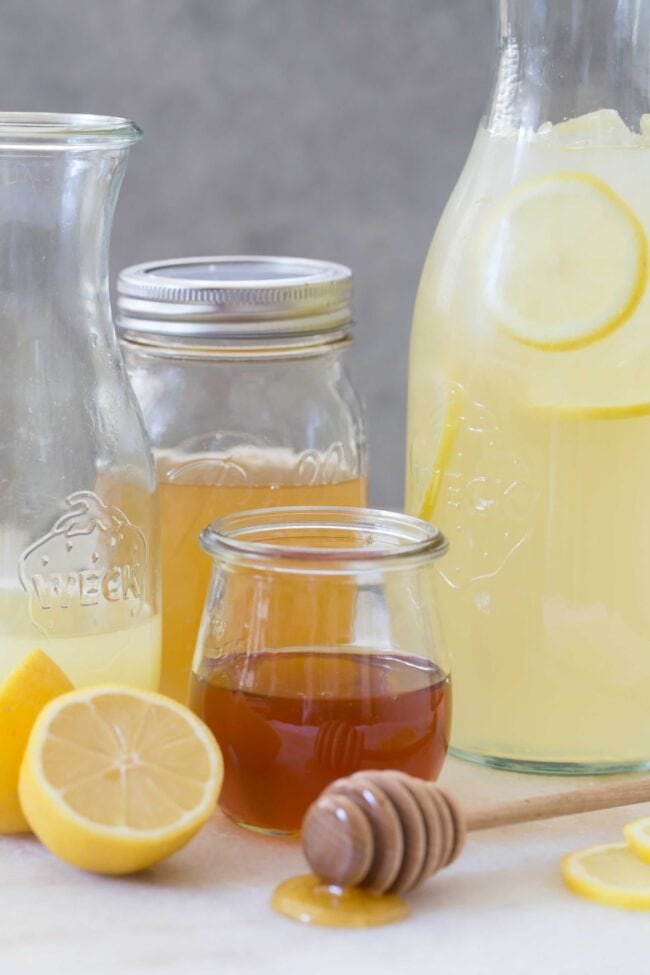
(609, 874)
(114, 779)
(563, 261)
(35, 682)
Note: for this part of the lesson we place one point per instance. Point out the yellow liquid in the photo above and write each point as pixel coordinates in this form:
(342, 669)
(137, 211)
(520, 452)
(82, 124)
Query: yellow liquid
(187, 508)
(125, 655)
(536, 464)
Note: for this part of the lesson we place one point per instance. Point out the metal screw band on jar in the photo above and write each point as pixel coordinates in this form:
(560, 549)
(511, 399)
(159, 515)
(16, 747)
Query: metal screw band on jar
(235, 300)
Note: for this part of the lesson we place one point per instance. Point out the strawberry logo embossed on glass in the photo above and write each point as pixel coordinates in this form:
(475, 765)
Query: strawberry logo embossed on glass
(92, 557)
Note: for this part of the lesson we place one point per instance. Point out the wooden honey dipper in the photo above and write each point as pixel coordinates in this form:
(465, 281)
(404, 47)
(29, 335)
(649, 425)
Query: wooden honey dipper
(388, 831)
(339, 747)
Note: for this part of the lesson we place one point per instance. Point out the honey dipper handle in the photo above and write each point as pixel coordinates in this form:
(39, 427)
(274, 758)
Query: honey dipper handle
(619, 793)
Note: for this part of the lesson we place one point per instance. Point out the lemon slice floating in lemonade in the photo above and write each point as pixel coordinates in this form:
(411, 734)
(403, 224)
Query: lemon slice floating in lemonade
(447, 424)
(598, 411)
(563, 261)
(610, 874)
(115, 779)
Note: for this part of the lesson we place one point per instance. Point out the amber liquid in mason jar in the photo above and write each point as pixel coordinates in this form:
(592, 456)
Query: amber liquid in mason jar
(195, 491)
(289, 722)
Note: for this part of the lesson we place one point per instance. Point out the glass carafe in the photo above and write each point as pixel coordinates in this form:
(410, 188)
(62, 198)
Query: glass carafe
(529, 403)
(78, 521)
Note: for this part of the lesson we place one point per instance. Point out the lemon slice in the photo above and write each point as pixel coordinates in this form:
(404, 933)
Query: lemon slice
(114, 779)
(637, 835)
(448, 430)
(597, 411)
(610, 874)
(35, 681)
(563, 262)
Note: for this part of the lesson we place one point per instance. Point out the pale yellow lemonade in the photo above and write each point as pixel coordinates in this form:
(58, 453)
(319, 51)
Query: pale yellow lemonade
(129, 654)
(86, 590)
(529, 442)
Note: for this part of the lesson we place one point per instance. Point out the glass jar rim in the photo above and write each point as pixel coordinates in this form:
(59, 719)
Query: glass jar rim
(288, 348)
(39, 130)
(395, 539)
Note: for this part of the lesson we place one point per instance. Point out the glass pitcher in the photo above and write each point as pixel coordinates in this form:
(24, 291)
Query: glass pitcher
(529, 403)
(78, 519)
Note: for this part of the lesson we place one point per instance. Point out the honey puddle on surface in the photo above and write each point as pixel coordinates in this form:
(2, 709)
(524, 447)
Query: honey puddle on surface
(309, 900)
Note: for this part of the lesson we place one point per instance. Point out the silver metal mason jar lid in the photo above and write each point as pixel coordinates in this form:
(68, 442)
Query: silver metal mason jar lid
(234, 298)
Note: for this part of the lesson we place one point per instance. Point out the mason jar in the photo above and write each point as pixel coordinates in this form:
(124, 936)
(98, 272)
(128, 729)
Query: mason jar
(238, 365)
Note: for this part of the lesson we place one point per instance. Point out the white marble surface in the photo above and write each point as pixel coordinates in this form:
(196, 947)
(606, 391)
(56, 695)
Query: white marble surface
(501, 908)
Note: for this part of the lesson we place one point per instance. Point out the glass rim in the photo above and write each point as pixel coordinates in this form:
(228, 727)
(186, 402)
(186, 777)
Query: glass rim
(65, 129)
(290, 347)
(413, 540)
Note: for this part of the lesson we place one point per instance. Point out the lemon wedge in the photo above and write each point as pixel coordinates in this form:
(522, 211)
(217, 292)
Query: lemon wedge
(115, 779)
(610, 874)
(448, 426)
(563, 261)
(34, 683)
(637, 835)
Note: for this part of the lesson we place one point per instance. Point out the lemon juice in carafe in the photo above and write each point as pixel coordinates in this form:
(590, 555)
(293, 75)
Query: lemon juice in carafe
(529, 400)
(78, 506)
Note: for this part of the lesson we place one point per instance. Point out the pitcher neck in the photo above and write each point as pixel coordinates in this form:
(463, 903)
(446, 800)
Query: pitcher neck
(59, 181)
(559, 59)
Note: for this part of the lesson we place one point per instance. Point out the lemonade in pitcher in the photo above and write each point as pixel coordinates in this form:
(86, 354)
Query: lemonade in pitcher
(529, 408)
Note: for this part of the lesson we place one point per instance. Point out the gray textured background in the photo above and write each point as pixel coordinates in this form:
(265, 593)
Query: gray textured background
(320, 128)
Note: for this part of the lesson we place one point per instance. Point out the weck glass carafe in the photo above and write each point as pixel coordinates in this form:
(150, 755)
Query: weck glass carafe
(529, 409)
(78, 522)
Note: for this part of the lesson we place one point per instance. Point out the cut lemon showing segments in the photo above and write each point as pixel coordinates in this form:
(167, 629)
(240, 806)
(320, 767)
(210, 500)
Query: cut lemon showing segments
(609, 874)
(563, 262)
(114, 779)
(29, 687)
(448, 429)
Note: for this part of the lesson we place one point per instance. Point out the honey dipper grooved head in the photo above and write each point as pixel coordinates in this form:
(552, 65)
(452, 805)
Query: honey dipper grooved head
(383, 830)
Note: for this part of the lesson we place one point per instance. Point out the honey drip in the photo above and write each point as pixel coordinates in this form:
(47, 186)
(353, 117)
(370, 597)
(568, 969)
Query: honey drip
(309, 900)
